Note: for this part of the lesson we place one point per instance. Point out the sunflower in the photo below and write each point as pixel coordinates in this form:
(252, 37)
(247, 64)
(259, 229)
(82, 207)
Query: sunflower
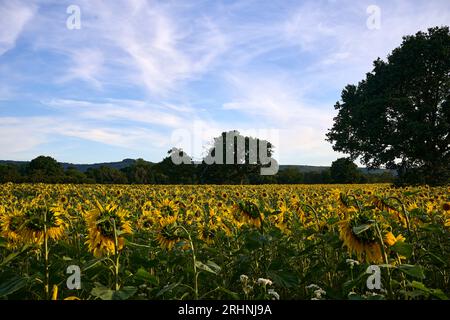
(168, 233)
(446, 206)
(100, 222)
(9, 228)
(390, 239)
(39, 218)
(63, 199)
(149, 216)
(225, 226)
(207, 232)
(147, 220)
(168, 208)
(383, 205)
(364, 244)
(248, 212)
(282, 222)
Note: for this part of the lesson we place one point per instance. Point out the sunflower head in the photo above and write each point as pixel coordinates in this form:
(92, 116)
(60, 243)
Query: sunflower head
(63, 199)
(10, 224)
(207, 232)
(249, 213)
(169, 234)
(446, 206)
(168, 208)
(105, 224)
(147, 220)
(359, 236)
(40, 219)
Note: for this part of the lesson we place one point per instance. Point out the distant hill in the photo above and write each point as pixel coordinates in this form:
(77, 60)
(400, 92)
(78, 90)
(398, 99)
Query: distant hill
(83, 167)
(305, 168)
(128, 162)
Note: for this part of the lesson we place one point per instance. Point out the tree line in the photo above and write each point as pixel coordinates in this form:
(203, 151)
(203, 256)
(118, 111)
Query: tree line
(45, 169)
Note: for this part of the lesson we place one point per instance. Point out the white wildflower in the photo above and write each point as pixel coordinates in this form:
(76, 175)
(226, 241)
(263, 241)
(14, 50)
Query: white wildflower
(274, 294)
(319, 292)
(264, 282)
(352, 293)
(352, 262)
(243, 278)
(313, 286)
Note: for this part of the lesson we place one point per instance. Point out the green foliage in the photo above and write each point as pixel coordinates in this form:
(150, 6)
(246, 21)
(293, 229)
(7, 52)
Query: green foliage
(399, 116)
(45, 169)
(343, 170)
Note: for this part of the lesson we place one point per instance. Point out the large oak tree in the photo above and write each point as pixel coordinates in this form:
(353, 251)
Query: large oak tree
(399, 115)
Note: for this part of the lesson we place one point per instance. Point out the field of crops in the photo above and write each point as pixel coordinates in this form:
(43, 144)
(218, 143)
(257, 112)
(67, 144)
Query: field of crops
(224, 242)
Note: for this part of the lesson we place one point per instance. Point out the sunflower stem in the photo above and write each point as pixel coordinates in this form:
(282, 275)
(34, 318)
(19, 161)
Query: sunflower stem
(47, 273)
(315, 215)
(194, 260)
(263, 245)
(386, 260)
(116, 256)
(405, 213)
(408, 225)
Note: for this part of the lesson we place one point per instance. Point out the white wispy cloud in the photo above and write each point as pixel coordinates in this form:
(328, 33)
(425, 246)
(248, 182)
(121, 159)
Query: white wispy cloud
(14, 16)
(141, 43)
(86, 65)
(31, 133)
(138, 71)
(113, 109)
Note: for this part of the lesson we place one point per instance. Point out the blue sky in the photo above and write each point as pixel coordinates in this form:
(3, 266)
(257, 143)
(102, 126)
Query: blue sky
(140, 76)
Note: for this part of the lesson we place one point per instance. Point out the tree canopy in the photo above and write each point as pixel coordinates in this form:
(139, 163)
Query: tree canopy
(343, 170)
(399, 115)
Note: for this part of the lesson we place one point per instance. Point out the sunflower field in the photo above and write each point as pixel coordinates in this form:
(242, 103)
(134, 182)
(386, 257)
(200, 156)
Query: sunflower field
(224, 242)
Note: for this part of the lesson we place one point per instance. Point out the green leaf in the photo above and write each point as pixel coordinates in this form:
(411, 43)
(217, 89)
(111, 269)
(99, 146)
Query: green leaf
(168, 288)
(12, 285)
(431, 227)
(361, 228)
(13, 255)
(434, 292)
(436, 259)
(102, 292)
(410, 193)
(403, 248)
(144, 275)
(283, 278)
(412, 270)
(234, 295)
(200, 265)
(438, 294)
(92, 263)
(124, 293)
(419, 285)
(213, 266)
(414, 294)
(355, 297)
